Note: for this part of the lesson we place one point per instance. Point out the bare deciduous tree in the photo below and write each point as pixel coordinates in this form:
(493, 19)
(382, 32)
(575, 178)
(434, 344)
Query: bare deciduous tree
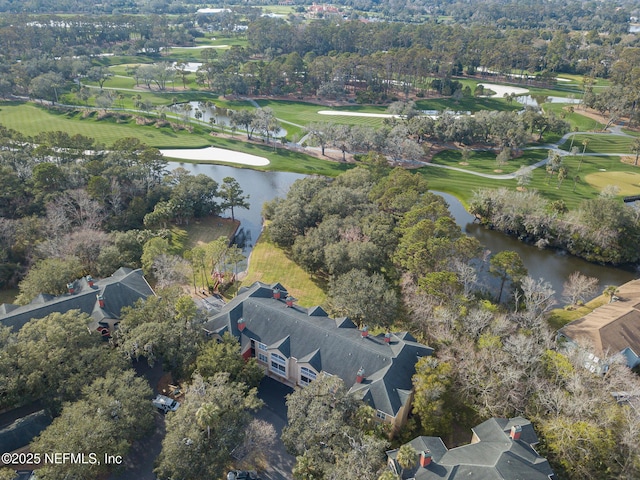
(579, 288)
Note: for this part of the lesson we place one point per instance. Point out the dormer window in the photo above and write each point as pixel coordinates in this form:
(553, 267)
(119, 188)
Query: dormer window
(306, 376)
(278, 365)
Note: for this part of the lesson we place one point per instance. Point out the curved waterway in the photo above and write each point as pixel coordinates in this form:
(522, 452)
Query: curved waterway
(552, 265)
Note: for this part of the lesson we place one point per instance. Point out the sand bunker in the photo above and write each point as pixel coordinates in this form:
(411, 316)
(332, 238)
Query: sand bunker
(502, 89)
(213, 154)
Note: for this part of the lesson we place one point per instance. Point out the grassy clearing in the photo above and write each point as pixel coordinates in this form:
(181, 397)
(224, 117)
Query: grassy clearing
(471, 104)
(31, 119)
(601, 143)
(303, 113)
(559, 317)
(205, 230)
(485, 161)
(270, 264)
(572, 192)
(628, 182)
(577, 121)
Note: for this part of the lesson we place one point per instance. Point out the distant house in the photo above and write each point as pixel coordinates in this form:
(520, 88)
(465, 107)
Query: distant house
(500, 449)
(102, 299)
(609, 329)
(295, 345)
(22, 431)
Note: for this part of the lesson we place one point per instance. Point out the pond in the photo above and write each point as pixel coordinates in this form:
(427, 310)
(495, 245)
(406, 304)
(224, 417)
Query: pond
(260, 186)
(210, 113)
(552, 265)
(534, 101)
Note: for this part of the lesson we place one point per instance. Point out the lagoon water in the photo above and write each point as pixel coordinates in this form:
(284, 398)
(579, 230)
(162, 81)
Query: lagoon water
(552, 265)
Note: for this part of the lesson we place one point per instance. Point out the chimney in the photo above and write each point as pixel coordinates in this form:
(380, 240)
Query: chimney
(387, 337)
(70, 288)
(515, 433)
(241, 324)
(365, 331)
(360, 375)
(89, 279)
(425, 458)
(289, 301)
(276, 293)
(100, 300)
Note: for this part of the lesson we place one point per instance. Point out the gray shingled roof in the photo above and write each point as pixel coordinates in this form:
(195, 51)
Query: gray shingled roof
(22, 431)
(495, 457)
(334, 345)
(121, 289)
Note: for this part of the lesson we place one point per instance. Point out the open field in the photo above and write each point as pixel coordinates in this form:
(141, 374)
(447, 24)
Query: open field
(205, 230)
(601, 143)
(271, 264)
(485, 161)
(627, 182)
(31, 120)
(572, 192)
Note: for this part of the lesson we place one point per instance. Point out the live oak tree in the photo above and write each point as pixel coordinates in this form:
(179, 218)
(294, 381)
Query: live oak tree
(224, 356)
(325, 432)
(40, 362)
(113, 412)
(200, 445)
(164, 327)
(365, 298)
(49, 276)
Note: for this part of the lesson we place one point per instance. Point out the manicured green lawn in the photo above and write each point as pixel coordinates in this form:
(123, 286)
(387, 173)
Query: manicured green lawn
(303, 113)
(462, 184)
(471, 104)
(270, 264)
(577, 121)
(205, 230)
(485, 161)
(31, 120)
(601, 143)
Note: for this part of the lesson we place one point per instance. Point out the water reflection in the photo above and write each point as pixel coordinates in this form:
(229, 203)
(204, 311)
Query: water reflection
(552, 265)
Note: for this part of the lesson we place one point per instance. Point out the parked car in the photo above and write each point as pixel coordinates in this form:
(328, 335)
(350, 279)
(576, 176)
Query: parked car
(242, 475)
(165, 404)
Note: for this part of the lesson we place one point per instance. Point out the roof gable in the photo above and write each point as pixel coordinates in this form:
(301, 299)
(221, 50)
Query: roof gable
(122, 289)
(333, 346)
(494, 456)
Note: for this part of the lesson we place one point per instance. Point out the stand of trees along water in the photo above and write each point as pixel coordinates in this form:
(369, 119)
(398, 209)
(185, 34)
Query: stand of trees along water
(394, 258)
(391, 255)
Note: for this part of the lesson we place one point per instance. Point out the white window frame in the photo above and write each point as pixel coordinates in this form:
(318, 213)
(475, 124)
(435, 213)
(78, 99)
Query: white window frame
(381, 415)
(307, 376)
(263, 358)
(278, 364)
(262, 346)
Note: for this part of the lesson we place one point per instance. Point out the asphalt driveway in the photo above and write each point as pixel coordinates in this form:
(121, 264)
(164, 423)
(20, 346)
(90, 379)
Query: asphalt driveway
(274, 411)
